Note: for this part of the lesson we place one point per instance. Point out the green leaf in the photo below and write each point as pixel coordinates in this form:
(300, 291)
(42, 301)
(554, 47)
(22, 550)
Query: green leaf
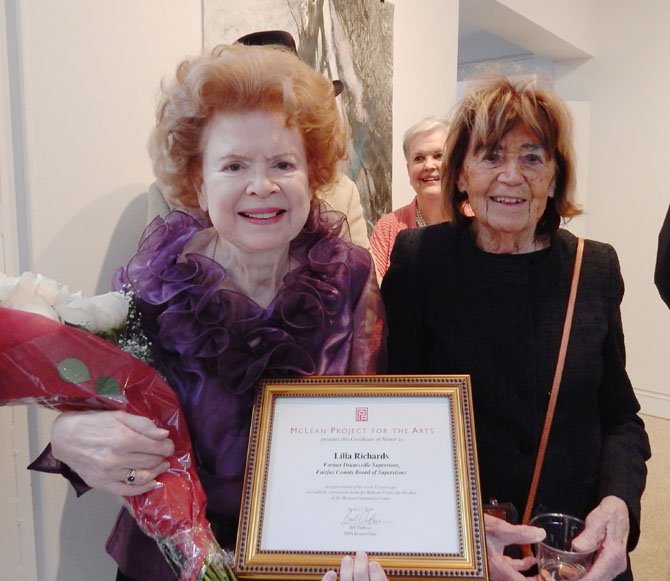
(106, 385)
(73, 370)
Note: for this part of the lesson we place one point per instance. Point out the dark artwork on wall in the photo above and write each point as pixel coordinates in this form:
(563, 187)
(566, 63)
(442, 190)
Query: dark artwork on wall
(349, 40)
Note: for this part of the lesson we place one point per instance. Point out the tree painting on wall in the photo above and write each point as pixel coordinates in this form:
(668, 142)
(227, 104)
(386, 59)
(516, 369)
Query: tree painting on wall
(349, 40)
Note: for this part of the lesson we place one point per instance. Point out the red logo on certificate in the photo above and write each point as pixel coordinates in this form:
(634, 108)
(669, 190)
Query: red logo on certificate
(361, 414)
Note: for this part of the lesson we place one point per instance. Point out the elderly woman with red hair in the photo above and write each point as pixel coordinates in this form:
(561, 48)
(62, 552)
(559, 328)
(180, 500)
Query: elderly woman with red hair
(261, 287)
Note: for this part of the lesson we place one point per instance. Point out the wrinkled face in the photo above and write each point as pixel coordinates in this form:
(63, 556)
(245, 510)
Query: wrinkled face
(425, 160)
(509, 186)
(254, 180)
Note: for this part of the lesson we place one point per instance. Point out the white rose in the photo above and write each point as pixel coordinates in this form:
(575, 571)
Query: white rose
(96, 314)
(30, 292)
(48, 289)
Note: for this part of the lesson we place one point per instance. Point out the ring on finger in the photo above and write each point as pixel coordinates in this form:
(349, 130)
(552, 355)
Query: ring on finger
(131, 476)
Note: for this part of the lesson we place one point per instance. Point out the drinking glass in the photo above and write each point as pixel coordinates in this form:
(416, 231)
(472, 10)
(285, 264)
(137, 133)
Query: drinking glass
(556, 559)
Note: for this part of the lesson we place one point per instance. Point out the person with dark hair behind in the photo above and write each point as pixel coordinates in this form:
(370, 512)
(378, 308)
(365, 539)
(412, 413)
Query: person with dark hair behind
(662, 272)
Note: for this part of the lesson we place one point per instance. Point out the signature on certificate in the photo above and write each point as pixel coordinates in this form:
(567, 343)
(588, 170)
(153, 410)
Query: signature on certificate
(362, 515)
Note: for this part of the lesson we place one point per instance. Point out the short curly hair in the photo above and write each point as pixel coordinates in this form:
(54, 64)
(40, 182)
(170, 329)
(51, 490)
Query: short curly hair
(236, 79)
(494, 105)
(425, 125)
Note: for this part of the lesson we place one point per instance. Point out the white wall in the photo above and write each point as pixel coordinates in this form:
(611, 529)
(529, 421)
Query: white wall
(8, 235)
(628, 85)
(555, 30)
(17, 547)
(570, 20)
(17, 553)
(425, 62)
(89, 72)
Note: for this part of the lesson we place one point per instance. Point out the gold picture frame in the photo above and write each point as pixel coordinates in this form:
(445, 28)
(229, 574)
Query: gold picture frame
(385, 464)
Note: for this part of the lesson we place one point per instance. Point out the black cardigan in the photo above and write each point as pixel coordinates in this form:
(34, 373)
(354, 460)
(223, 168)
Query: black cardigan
(662, 272)
(455, 309)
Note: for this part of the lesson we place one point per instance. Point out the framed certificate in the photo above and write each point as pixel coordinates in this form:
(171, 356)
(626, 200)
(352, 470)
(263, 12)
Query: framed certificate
(383, 464)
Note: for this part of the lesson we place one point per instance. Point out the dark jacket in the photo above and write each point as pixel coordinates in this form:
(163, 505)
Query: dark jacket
(662, 273)
(455, 309)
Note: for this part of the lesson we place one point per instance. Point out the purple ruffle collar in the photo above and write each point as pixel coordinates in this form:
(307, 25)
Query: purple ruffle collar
(222, 333)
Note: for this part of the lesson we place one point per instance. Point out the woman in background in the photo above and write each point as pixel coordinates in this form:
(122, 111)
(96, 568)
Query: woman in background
(486, 295)
(422, 145)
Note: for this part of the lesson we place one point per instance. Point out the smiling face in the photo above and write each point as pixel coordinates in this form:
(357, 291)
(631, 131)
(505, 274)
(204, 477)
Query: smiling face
(508, 188)
(425, 160)
(254, 180)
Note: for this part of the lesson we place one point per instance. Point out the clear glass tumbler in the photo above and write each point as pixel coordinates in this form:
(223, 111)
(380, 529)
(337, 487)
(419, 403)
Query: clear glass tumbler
(556, 559)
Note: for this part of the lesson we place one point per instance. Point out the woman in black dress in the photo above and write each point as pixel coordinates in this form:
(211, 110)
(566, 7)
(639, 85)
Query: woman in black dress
(486, 296)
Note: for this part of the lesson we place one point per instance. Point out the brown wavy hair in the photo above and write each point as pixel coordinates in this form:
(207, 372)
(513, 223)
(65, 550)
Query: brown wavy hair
(494, 105)
(237, 79)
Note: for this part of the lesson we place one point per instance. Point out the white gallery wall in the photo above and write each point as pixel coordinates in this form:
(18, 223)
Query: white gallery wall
(628, 85)
(88, 73)
(86, 79)
(425, 61)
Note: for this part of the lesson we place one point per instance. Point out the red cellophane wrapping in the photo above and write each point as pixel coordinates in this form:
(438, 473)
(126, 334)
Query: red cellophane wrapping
(31, 349)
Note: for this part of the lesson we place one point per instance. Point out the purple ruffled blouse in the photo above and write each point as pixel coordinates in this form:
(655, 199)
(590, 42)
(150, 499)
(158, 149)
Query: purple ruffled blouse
(214, 344)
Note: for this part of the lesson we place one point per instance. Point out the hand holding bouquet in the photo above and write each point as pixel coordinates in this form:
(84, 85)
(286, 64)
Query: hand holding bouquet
(55, 365)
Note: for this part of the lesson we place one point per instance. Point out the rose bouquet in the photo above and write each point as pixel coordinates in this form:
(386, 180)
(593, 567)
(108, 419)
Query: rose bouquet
(57, 365)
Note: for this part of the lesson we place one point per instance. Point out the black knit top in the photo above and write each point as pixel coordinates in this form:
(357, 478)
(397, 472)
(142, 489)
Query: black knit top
(455, 309)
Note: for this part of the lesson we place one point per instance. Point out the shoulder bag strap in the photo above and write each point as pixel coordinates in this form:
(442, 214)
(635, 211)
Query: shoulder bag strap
(556, 384)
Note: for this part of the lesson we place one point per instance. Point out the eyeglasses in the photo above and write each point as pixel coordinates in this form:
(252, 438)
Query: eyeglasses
(529, 159)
